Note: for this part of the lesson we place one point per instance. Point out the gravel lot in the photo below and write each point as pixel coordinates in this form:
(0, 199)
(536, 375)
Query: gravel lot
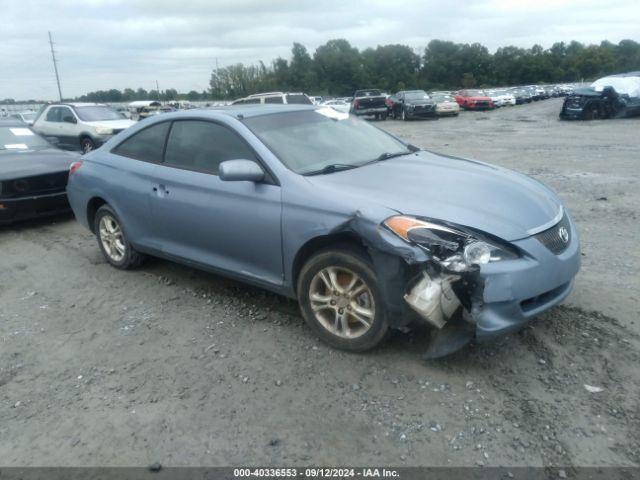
(168, 364)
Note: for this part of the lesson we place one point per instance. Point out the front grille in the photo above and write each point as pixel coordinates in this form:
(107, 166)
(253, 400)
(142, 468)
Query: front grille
(22, 187)
(554, 238)
(543, 299)
(574, 102)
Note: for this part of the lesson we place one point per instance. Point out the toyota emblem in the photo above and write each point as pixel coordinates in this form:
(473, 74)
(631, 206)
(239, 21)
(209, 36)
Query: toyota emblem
(563, 233)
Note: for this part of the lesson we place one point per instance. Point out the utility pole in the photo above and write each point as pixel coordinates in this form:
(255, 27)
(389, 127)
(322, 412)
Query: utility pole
(55, 65)
(158, 89)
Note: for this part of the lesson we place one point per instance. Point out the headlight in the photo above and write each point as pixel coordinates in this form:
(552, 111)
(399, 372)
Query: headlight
(455, 249)
(477, 253)
(104, 131)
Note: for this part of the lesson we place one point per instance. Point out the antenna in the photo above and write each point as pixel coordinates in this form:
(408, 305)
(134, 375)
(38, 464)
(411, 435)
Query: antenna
(55, 65)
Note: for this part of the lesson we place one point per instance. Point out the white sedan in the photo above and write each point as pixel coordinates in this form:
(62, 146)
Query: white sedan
(339, 105)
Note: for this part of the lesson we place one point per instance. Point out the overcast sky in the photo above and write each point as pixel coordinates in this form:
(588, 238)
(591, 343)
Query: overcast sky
(104, 44)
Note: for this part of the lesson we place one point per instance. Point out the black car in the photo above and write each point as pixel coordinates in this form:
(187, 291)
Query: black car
(589, 104)
(33, 174)
(602, 100)
(408, 104)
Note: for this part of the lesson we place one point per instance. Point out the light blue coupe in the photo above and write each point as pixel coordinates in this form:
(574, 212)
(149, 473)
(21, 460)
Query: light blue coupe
(366, 231)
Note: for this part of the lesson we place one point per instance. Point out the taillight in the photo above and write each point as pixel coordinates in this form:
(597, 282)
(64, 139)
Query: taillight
(74, 166)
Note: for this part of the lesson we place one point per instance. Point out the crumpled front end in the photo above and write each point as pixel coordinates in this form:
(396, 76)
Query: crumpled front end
(465, 284)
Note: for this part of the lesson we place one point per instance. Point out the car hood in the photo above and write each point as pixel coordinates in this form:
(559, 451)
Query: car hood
(420, 102)
(115, 124)
(27, 163)
(482, 99)
(492, 199)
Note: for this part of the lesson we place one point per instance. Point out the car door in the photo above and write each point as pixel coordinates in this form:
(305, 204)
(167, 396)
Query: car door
(398, 105)
(68, 128)
(231, 226)
(129, 178)
(48, 125)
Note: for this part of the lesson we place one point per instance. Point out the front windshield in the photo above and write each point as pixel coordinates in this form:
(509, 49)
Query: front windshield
(21, 138)
(97, 113)
(475, 93)
(28, 116)
(417, 95)
(443, 98)
(310, 140)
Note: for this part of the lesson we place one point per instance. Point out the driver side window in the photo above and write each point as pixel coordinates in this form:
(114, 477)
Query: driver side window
(202, 146)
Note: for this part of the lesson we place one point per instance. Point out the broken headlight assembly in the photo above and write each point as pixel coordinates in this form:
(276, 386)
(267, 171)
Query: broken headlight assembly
(453, 248)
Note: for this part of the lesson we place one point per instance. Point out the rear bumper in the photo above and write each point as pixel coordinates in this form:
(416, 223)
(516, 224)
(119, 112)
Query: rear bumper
(481, 106)
(452, 111)
(16, 209)
(370, 111)
(421, 113)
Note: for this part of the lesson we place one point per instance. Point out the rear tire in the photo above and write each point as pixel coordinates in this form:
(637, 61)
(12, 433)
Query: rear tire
(340, 299)
(113, 242)
(403, 115)
(86, 145)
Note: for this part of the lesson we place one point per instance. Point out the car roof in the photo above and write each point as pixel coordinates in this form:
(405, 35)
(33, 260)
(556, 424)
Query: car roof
(76, 104)
(241, 110)
(628, 74)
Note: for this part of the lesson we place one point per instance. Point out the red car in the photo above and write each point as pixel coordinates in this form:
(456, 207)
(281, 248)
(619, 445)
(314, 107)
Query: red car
(473, 100)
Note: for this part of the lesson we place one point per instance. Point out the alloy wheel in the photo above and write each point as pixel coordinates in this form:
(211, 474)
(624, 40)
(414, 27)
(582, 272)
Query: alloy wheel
(342, 302)
(87, 146)
(111, 238)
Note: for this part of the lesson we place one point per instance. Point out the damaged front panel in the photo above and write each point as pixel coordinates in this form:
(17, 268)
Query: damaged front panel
(425, 278)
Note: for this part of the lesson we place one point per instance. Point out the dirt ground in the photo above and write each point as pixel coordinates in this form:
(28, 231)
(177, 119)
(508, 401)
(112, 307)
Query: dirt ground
(171, 365)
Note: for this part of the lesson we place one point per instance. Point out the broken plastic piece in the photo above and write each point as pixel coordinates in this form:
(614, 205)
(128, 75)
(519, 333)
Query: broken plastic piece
(453, 337)
(433, 299)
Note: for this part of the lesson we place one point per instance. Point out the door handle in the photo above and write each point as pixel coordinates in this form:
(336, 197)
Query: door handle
(161, 189)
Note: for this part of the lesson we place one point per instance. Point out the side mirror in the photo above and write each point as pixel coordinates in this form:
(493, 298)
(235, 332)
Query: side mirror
(69, 119)
(240, 171)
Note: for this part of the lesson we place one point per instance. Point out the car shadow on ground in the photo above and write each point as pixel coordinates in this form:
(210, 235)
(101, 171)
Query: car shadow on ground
(410, 342)
(36, 223)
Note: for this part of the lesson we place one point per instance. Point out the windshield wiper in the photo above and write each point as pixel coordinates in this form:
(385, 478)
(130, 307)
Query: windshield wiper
(388, 155)
(334, 167)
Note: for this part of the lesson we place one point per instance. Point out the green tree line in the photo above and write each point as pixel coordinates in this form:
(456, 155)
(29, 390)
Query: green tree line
(129, 95)
(338, 68)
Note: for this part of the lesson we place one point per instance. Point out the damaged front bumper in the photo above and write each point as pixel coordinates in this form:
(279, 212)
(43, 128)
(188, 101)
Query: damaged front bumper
(497, 298)
(480, 302)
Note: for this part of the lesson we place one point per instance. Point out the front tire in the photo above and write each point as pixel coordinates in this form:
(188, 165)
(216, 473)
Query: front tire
(113, 242)
(403, 115)
(87, 145)
(340, 299)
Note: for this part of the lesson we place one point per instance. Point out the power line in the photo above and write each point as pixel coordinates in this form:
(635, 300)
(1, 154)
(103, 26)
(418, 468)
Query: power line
(55, 65)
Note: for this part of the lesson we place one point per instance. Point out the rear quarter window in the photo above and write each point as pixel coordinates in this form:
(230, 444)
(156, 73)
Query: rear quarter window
(299, 100)
(277, 99)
